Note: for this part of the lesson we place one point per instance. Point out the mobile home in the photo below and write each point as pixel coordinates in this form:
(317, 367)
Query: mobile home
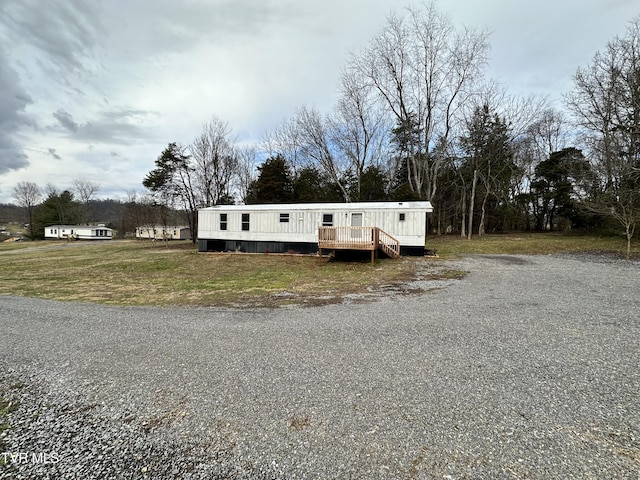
(159, 232)
(306, 228)
(78, 232)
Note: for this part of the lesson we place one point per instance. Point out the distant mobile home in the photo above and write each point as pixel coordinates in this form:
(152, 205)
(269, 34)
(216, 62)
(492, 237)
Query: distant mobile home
(308, 227)
(159, 232)
(78, 232)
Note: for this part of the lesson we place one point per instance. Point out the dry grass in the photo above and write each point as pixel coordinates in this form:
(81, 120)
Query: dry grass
(449, 246)
(137, 273)
(142, 273)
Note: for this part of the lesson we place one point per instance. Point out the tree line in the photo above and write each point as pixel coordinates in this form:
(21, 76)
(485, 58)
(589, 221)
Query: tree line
(416, 118)
(39, 207)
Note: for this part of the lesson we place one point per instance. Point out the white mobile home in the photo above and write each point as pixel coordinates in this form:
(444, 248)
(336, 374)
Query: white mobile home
(78, 232)
(159, 232)
(308, 227)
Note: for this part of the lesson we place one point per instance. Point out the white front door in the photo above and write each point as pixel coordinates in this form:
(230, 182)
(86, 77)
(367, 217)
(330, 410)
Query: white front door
(356, 221)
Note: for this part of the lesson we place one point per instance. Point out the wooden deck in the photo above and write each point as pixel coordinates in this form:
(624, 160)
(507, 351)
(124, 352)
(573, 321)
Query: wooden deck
(358, 238)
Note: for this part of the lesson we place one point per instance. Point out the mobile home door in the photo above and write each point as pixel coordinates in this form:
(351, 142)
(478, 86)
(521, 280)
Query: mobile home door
(356, 221)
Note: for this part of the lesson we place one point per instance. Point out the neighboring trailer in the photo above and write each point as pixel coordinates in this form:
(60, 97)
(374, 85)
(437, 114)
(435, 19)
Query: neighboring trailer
(158, 232)
(279, 228)
(78, 232)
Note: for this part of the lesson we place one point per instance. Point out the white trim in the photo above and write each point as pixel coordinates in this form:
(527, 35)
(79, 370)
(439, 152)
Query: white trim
(295, 207)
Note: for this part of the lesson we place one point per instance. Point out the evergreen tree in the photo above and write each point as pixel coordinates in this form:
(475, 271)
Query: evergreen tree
(489, 165)
(57, 209)
(372, 185)
(556, 186)
(274, 183)
(311, 186)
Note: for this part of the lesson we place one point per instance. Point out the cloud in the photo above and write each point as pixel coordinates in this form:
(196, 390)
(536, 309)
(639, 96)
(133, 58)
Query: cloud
(52, 152)
(56, 39)
(11, 156)
(66, 120)
(62, 31)
(177, 26)
(13, 101)
(110, 83)
(118, 126)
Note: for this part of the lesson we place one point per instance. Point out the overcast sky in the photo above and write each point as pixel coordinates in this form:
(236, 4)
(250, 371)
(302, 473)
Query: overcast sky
(97, 89)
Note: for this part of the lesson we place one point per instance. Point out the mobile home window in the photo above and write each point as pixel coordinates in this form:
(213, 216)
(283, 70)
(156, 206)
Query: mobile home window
(327, 219)
(284, 218)
(245, 222)
(223, 221)
(402, 217)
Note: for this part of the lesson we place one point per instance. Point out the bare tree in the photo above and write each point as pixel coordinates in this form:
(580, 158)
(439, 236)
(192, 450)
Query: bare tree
(317, 146)
(605, 103)
(201, 179)
(28, 195)
(215, 163)
(546, 134)
(424, 70)
(50, 189)
(150, 216)
(341, 144)
(285, 141)
(246, 170)
(519, 112)
(622, 204)
(85, 189)
(359, 127)
(132, 216)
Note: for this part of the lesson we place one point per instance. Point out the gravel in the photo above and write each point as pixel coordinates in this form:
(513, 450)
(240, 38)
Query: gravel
(526, 368)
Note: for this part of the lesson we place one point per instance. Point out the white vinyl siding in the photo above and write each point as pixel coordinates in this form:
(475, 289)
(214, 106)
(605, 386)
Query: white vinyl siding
(304, 219)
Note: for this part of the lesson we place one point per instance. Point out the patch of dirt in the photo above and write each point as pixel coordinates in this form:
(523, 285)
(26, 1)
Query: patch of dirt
(429, 275)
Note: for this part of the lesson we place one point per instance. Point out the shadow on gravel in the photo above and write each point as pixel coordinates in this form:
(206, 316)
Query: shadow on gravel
(504, 259)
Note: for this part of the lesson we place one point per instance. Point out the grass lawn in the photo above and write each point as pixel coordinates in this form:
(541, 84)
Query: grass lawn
(129, 272)
(141, 273)
(450, 246)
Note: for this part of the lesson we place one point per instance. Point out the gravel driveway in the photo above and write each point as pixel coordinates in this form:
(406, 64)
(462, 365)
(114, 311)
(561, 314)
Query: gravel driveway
(527, 368)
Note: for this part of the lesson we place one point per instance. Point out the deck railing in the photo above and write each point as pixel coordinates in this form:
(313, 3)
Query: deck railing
(358, 238)
(388, 244)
